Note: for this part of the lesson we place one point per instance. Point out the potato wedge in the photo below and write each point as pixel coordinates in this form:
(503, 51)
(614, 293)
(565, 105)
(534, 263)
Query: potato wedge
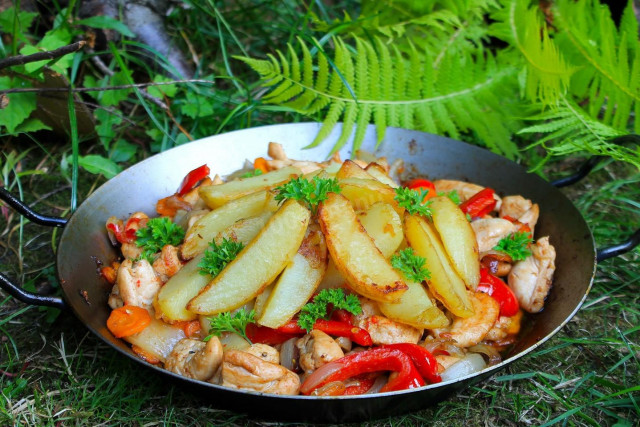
(217, 195)
(257, 264)
(244, 230)
(384, 226)
(415, 308)
(355, 254)
(458, 239)
(350, 169)
(379, 172)
(207, 228)
(362, 193)
(332, 277)
(157, 339)
(298, 281)
(261, 300)
(445, 284)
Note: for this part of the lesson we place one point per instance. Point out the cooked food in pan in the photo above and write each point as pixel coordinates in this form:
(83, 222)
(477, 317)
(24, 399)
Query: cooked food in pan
(326, 278)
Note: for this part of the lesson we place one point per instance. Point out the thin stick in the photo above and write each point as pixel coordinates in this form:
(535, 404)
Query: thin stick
(51, 54)
(100, 89)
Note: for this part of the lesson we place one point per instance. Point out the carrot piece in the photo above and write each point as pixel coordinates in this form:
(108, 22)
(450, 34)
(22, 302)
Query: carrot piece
(261, 163)
(145, 355)
(190, 327)
(109, 274)
(128, 320)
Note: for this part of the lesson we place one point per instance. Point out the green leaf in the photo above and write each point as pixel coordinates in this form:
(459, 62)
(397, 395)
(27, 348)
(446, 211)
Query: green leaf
(309, 192)
(217, 256)
(31, 125)
(7, 17)
(236, 324)
(97, 164)
(20, 105)
(106, 23)
(318, 308)
(411, 265)
(196, 106)
(160, 91)
(107, 126)
(122, 151)
(52, 40)
(158, 233)
(412, 201)
(516, 245)
(114, 97)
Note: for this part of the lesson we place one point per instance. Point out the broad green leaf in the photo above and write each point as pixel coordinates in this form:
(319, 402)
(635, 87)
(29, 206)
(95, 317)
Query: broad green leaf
(96, 164)
(122, 151)
(196, 106)
(20, 105)
(52, 40)
(7, 17)
(160, 91)
(106, 23)
(107, 125)
(31, 125)
(114, 97)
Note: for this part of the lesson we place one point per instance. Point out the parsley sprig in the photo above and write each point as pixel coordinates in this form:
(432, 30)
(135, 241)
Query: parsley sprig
(158, 233)
(411, 200)
(218, 256)
(411, 265)
(237, 324)
(249, 174)
(318, 308)
(516, 245)
(309, 192)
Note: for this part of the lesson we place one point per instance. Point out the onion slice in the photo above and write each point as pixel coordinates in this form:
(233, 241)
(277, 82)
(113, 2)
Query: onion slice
(472, 363)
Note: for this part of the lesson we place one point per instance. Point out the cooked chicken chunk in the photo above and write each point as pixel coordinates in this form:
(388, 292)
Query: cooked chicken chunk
(195, 359)
(489, 231)
(168, 263)
(382, 329)
(465, 189)
(136, 284)
(280, 160)
(245, 371)
(517, 207)
(504, 326)
(530, 279)
(264, 352)
(470, 331)
(131, 250)
(316, 349)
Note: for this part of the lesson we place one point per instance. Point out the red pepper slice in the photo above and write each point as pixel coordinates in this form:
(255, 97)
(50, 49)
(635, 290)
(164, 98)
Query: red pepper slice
(373, 360)
(192, 178)
(422, 184)
(499, 290)
(331, 327)
(342, 316)
(422, 358)
(264, 335)
(480, 204)
(365, 382)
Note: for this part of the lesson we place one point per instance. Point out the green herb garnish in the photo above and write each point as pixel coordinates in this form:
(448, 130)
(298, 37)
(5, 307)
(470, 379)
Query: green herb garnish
(452, 195)
(317, 309)
(218, 256)
(516, 245)
(236, 324)
(249, 174)
(411, 200)
(411, 265)
(158, 233)
(310, 192)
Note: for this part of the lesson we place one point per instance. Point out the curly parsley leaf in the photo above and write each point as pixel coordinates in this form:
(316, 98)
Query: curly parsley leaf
(249, 174)
(218, 256)
(411, 265)
(452, 195)
(411, 200)
(516, 245)
(318, 308)
(309, 192)
(237, 324)
(158, 233)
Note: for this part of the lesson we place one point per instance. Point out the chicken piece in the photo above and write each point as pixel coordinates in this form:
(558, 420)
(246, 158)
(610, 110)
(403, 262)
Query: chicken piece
(168, 263)
(489, 231)
(465, 189)
(469, 331)
(280, 160)
(195, 359)
(131, 250)
(530, 279)
(264, 352)
(517, 207)
(115, 300)
(382, 329)
(316, 349)
(243, 370)
(505, 326)
(136, 284)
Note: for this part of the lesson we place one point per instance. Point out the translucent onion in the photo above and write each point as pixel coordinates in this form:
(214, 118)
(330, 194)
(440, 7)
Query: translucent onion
(444, 345)
(289, 354)
(489, 351)
(334, 388)
(472, 363)
(378, 384)
(319, 375)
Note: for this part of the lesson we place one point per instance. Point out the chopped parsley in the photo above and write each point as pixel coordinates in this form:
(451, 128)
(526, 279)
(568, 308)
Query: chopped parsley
(318, 308)
(411, 265)
(452, 195)
(158, 233)
(516, 245)
(309, 192)
(218, 256)
(249, 174)
(411, 200)
(236, 324)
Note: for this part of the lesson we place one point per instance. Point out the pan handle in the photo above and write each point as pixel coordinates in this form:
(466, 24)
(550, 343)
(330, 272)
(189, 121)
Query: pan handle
(585, 169)
(7, 285)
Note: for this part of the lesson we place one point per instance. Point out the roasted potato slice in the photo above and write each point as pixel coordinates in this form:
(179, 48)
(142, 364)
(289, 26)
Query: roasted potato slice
(384, 226)
(298, 281)
(157, 339)
(445, 284)
(332, 277)
(458, 239)
(415, 308)
(217, 195)
(244, 230)
(257, 264)
(350, 169)
(355, 254)
(362, 193)
(207, 228)
(379, 172)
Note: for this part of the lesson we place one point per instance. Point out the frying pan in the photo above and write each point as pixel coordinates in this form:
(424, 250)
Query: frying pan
(84, 242)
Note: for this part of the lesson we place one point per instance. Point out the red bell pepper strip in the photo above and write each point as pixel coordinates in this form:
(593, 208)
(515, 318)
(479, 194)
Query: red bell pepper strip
(499, 290)
(423, 184)
(365, 382)
(422, 358)
(331, 327)
(264, 335)
(192, 178)
(480, 204)
(373, 360)
(342, 316)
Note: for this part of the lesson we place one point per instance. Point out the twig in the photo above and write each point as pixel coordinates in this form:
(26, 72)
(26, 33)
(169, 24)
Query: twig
(51, 54)
(100, 89)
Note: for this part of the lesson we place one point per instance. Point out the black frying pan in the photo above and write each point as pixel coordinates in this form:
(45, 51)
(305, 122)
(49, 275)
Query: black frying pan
(84, 241)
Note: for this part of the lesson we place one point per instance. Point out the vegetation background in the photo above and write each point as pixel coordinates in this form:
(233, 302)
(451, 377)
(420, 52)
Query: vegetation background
(546, 84)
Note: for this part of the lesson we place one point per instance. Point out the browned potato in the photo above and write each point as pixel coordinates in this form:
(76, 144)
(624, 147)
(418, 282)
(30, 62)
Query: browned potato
(258, 264)
(380, 173)
(350, 169)
(362, 193)
(458, 239)
(415, 308)
(384, 226)
(355, 254)
(445, 284)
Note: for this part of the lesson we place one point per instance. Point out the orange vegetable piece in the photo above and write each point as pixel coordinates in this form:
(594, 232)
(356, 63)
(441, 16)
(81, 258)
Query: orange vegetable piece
(128, 320)
(261, 163)
(145, 355)
(190, 327)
